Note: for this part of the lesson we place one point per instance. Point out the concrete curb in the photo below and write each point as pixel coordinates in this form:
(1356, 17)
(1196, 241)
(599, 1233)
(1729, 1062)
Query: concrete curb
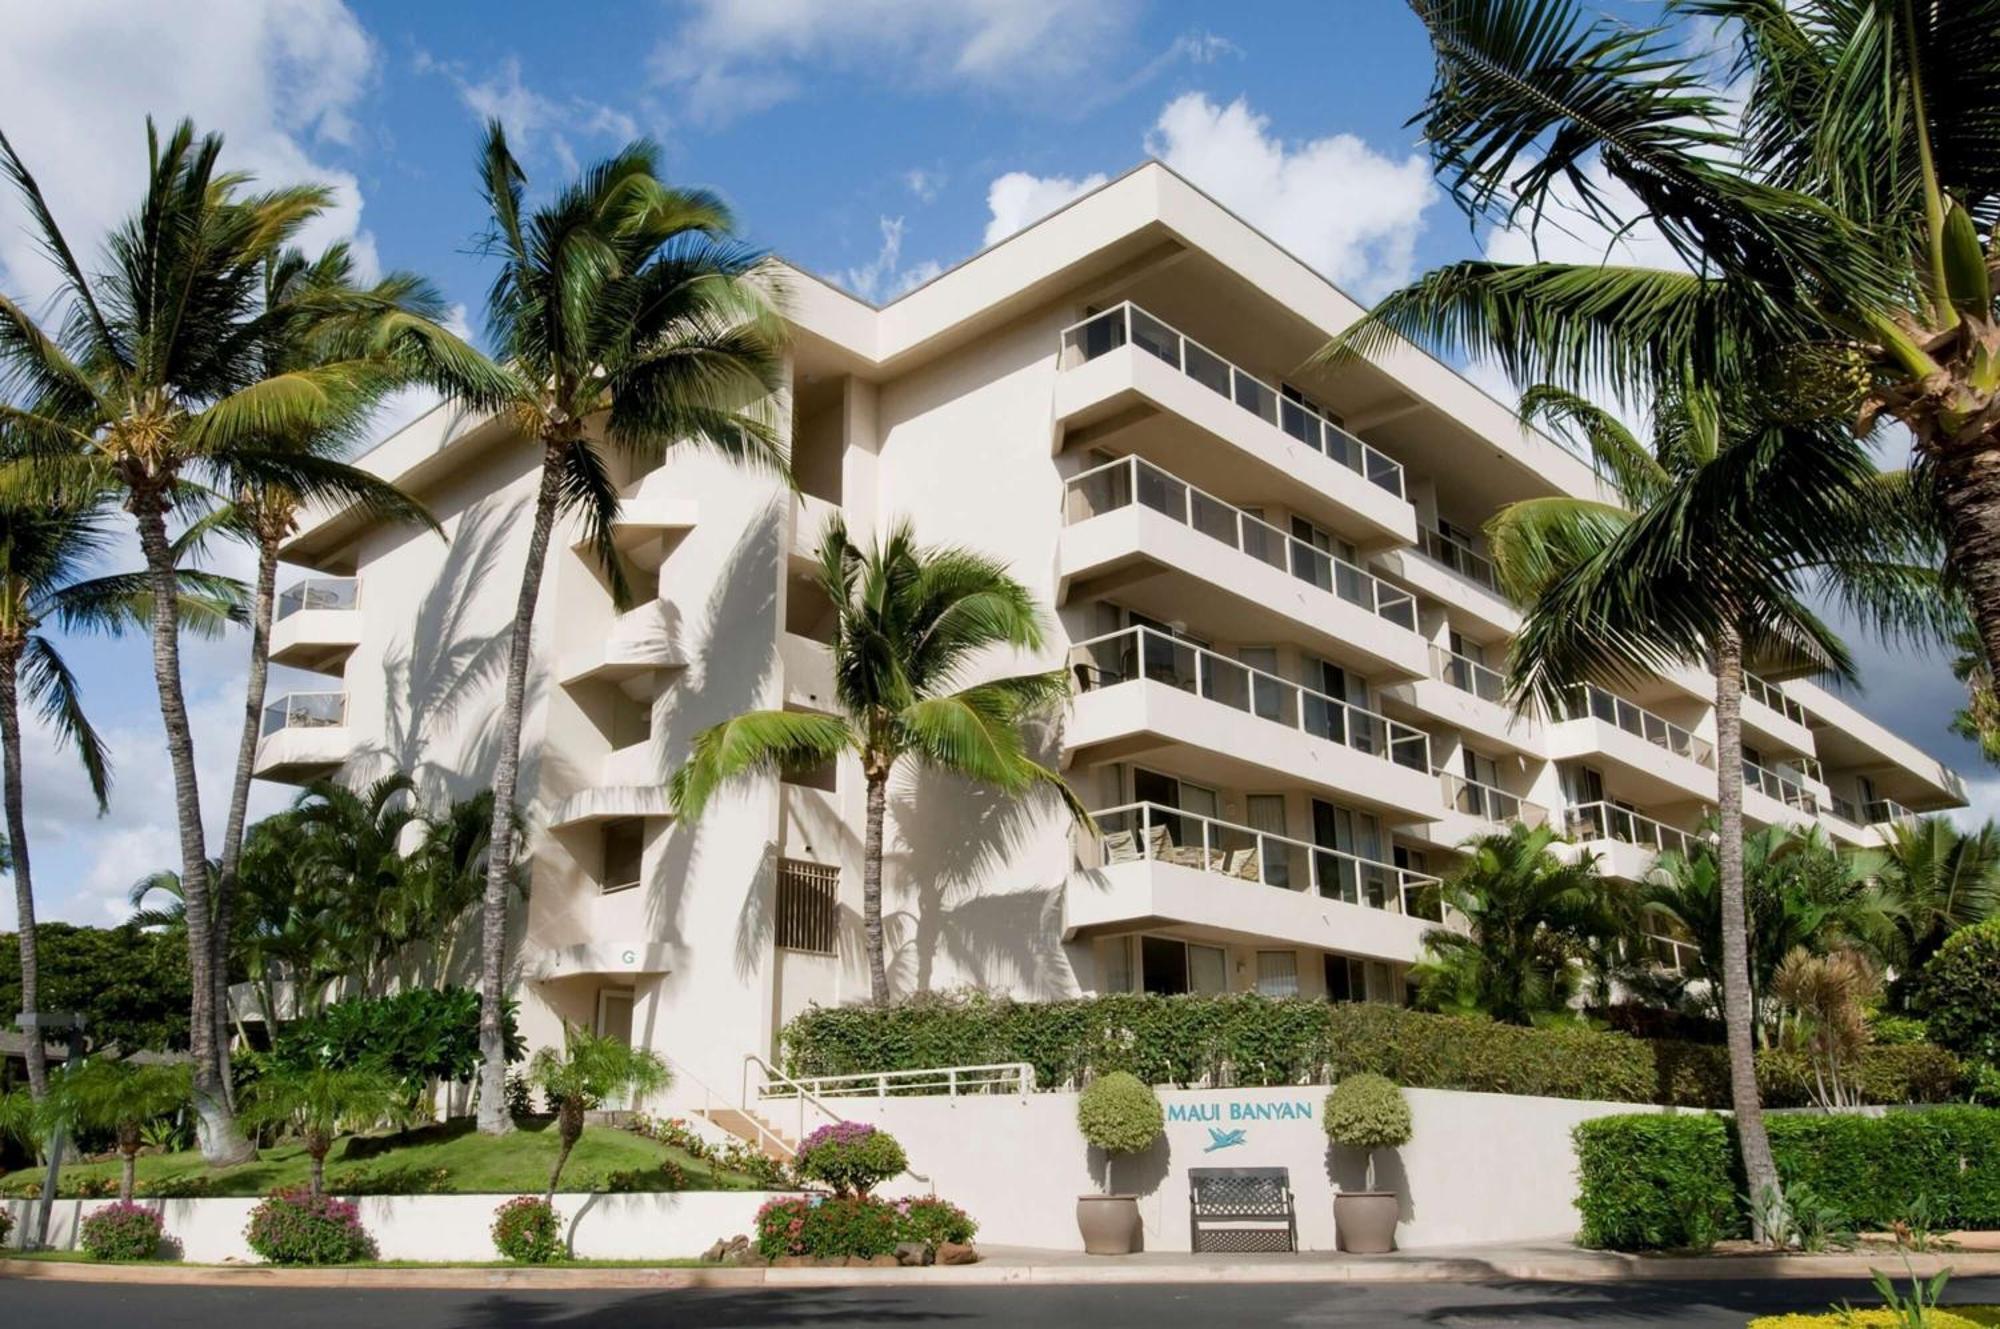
(1582, 1267)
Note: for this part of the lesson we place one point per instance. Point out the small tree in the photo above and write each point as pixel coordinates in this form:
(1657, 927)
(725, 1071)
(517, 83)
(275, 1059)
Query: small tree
(320, 1102)
(1120, 1114)
(1824, 996)
(124, 1099)
(1367, 1112)
(1959, 992)
(588, 1070)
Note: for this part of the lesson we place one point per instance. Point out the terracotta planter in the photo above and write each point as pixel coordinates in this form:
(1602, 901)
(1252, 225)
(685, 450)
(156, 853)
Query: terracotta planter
(1109, 1223)
(1364, 1222)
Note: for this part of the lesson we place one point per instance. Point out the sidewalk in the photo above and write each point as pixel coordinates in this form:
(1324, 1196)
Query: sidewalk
(1551, 1261)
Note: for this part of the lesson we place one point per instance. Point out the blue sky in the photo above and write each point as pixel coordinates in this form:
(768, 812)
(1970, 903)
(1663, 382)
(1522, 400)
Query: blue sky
(873, 141)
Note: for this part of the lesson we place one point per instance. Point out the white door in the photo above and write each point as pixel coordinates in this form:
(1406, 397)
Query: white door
(614, 1021)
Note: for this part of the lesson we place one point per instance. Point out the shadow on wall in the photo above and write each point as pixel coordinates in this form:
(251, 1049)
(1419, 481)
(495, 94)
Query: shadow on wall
(1347, 1169)
(1141, 1174)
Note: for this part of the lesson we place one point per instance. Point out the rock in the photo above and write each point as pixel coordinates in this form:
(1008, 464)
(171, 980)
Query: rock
(950, 1252)
(913, 1253)
(884, 1262)
(793, 1262)
(748, 1259)
(834, 1261)
(714, 1254)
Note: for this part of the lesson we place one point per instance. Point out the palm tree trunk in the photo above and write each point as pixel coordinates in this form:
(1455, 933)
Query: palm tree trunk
(318, 1172)
(1759, 1172)
(493, 1118)
(1969, 489)
(239, 792)
(871, 888)
(24, 890)
(569, 1129)
(222, 1143)
(128, 1174)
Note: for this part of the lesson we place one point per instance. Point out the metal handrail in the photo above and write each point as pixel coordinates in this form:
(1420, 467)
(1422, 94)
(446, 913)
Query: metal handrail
(1489, 802)
(1770, 695)
(1457, 556)
(1603, 820)
(1468, 675)
(1787, 791)
(1127, 324)
(802, 1095)
(305, 710)
(1154, 656)
(709, 1096)
(1163, 492)
(318, 593)
(1244, 853)
(1601, 704)
(954, 1079)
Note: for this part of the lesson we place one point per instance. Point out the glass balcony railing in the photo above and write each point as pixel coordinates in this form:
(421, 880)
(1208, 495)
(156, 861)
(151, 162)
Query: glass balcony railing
(1468, 675)
(1143, 653)
(1129, 480)
(1769, 694)
(1608, 821)
(305, 710)
(1776, 785)
(1154, 832)
(1128, 325)
(1669, 953)
(1883, 811)
(1458, 556)
(1844, 809)
(1489, 803)
(318, 593)
(1593, 702)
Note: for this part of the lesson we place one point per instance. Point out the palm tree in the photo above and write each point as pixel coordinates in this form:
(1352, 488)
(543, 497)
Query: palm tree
(625, 313)
(46, 549)
(152, 383)
(320, 1102)
(1530, 918)
(349, 857)
(1824, 998)
(911, 623)
(445, 878)
(1934, 879)
(1979, 719)
(590, 1069)
(123, 1098)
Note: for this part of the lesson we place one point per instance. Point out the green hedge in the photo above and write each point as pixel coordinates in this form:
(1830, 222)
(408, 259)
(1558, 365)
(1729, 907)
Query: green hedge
(1244, 1039)
(1662, 1182)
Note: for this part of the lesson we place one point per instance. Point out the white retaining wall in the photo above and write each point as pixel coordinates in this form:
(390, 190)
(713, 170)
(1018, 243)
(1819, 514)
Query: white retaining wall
(665, 1226)
(1479, 1167)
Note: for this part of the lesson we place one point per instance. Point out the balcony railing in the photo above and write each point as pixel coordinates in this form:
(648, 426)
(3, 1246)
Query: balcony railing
(318, 593)
(1844, 809)
(1153, 831)
(1458, 556)
(1128, 324)
(1129, 480)
(1468, 675)
(1787, 791)
(1143, 653)
(1489, 803)
(1608, 821)
(1882, 811)
(1670, 953)
(1591, 701)
(306, 710)
(1769, 694)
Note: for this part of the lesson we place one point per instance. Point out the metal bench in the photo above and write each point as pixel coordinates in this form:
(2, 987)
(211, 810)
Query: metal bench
(1241, 1209)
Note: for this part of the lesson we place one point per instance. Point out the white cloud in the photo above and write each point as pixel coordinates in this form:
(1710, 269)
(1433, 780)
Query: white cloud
(924, 184)
(885, 277)
(729, 58)
(535, 122)
(276, 77)
(1018, 198)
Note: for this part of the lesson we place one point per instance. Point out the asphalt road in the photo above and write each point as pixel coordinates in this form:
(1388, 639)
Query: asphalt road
(32, 1305)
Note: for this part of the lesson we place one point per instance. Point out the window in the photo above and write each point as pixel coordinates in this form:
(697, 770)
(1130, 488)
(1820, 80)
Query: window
(1350, 832)
(1277, 973)
(1114, 964)
(1266, 813)
(1267, 699)
(1352, 979)
(1165, 790)
(1173, 967)
(624, 847)
(808, 906)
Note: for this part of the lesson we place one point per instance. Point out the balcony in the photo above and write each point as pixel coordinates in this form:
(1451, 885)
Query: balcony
(303, 737)
(1776, 719)
(1124, 365)
(652, 519)
(808, 666)
(315, 625)
(1625, 841)
(1467, 695)
(643, 640)
(1151, 865)
(1448, 571)
(1773, 798)
(1886, 812)
(1473, 809)
(1664, 761)
(1128, 523)
(1141, 690)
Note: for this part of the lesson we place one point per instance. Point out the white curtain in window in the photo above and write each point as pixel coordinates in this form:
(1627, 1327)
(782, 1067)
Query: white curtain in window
(1208, 969)
(1278, 973)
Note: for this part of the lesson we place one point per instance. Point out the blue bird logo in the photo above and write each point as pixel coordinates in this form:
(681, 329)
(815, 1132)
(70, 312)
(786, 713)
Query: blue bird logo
(1221, 1139)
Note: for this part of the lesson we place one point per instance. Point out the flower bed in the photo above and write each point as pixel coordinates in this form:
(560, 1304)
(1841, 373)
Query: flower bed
(857, 1226)
(293, 1227)
(122, 1232)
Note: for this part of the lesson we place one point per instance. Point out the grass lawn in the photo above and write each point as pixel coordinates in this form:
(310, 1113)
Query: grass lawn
(451, 1158)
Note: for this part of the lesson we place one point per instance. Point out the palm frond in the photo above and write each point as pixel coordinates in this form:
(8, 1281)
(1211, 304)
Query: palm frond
(758, 742)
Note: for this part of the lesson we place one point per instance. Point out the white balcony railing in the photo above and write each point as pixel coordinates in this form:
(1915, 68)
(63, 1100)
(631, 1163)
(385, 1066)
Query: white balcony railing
(1458, 556)
(1768, 693)
(1669, 953)
(1882, 811)
(1591, 701)
(1468, 675)
(1776, 785)
(1489, 803)
(1608, 821)
(1120, 484)
(1144, 653)
(318, 593)
(1153, 831)
(305, 710)
(1127, 324)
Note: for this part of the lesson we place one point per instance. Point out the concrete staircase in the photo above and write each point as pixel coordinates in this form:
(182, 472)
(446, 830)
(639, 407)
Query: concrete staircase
(754, 1129)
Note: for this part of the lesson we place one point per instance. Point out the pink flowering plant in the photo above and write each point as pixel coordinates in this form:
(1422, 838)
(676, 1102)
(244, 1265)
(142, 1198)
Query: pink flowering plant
(827, 1227)
(930, 1221)
(298, 1227)
(122, 1231)
(850, 1157)
(526, 1230)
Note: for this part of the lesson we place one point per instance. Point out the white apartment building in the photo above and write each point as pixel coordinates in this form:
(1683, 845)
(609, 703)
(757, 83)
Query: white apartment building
(1266, 579)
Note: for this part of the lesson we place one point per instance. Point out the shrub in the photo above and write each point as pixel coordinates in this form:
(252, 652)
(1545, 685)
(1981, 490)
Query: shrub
(1662, 1182)
(526, 1230)
(1367, 1112)
(6, 1224)
(122, 1231)
(1881, 1317)
(294, 1227)
(932, 1222)
(667, 1176)
(417, 1035)
(832, 1227)
(850, 1156)
(1119, 1114)
(1960, 992)
(1248, 1040)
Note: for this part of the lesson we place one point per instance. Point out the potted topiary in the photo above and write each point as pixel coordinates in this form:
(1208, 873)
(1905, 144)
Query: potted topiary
(1366, 1112)
(1119, 1114)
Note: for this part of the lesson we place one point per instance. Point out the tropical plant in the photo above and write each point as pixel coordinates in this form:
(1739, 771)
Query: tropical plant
(300, 1227)
(1934, 879)
(852, 1157)
(131, 986)
(1529, 918)
(122, 1097)
(625, 313)
(419, 1036)
(122, 1231)
(349, 857)
(1120, 1114)
(527, 1230)
(152, 384)
(1824, 999)
(1367, 1112)
(321, 1102)
(1979, 719)
(911, 623)
(1959, 993)
(589, 1069)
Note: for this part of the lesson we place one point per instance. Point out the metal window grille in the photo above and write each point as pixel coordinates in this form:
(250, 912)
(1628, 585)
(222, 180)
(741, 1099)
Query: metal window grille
(807, 905)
